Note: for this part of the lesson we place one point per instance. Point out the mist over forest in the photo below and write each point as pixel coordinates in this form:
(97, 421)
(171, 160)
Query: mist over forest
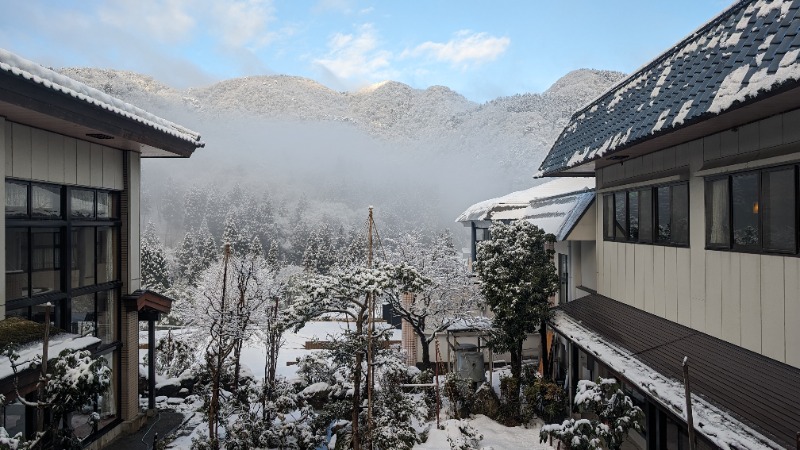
(309, 157)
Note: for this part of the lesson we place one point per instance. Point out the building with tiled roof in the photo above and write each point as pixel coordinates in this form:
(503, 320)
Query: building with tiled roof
(696, 158)
(72, 157)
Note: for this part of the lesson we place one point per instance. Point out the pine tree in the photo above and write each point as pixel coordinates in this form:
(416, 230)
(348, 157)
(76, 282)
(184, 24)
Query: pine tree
(155, 274)
(517, 279)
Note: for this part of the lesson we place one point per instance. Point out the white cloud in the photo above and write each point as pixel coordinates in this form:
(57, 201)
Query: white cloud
(466, 48)
(356, 57)
(244, 22)
(166, 20)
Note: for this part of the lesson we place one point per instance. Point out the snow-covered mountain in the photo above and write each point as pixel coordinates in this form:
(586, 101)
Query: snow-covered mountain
(513, 132)
(419, 155)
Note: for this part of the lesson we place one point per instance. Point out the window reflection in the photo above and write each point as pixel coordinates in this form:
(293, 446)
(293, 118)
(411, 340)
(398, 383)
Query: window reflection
(45, 201)
(16, 199)
(744, 193)
(83, 256)
(45, 260)
(82, 204)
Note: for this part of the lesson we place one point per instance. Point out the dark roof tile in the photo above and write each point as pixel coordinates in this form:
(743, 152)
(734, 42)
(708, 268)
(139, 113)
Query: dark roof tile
(712, 67)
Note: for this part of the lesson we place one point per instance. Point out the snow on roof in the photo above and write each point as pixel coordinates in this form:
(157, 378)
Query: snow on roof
(58, 343)
(748, 52)
(57, 82)
(559, 214)
(512, 206)
(717, 425)
(471, 324)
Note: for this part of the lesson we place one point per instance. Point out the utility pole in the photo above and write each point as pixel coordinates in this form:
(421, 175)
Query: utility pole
(370, 339)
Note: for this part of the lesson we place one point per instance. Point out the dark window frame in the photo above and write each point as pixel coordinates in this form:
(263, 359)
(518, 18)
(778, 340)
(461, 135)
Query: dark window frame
(760, 248)
(652, 239)
(65, 224)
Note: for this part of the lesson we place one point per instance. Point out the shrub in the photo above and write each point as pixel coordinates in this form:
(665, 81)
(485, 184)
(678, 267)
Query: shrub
(459, 391)
(545, 399)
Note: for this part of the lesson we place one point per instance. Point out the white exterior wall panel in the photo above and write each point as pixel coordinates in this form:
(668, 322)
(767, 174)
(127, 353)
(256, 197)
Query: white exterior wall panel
(747, 299)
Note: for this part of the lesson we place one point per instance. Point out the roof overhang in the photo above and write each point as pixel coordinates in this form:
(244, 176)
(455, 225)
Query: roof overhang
(647, 350)
(148, 303)
(27, 102)
(781, 100)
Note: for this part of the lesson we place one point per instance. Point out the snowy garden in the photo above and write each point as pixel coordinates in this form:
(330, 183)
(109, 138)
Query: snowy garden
(263, 352)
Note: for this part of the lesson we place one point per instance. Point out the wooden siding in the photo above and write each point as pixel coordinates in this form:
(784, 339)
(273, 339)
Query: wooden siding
(746, 299)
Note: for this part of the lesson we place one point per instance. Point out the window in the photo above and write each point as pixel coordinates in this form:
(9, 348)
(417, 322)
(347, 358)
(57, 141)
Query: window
(620, 215)
(718, 216)
(50, 254)
(648, 215)
(633, 216)
(608, 216)
(744, 193)
(645, 215)
(753, 211)
(779, 198)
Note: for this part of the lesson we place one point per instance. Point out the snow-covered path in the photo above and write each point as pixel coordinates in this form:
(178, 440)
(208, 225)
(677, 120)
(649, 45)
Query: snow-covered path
(495, 436)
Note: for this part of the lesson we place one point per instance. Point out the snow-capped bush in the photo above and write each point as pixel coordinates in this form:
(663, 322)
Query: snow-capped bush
(616, 415)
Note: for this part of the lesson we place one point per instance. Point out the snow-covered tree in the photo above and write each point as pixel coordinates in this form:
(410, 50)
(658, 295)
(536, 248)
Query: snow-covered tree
(616, 415)
(346, 291)
(155, 273)
(196, 253)
(74, 380)
(223, 312)
(517, 279)
(451, 295)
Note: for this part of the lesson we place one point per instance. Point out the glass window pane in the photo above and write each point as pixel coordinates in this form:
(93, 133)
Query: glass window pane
(83, 317)
(633, 216)
(646, 215)
(718, 213)
(680, 214)
(45, 201)
(106, 315)
(744, 192)
(16, 199)
(608, 216)
(620, 215)
(107, 403)
(45, 260)
(14, 418)
(82, 204)
(778, 193)
(106, 254)
(663, 209)
(83, 256)
(39, 314)
(107, 205)
(16, 263)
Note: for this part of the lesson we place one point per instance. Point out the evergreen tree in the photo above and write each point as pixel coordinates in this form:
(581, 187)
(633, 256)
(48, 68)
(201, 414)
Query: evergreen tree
(517, 279)
(154, 264)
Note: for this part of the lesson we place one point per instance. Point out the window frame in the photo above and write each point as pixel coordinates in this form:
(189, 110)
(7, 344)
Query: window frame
(760, 248)
(65, 224)
(652, 239)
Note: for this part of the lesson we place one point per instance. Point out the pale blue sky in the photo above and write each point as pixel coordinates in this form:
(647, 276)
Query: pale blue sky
(480, 49)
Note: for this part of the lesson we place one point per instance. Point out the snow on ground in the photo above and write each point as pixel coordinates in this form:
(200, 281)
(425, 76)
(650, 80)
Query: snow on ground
(495, 436)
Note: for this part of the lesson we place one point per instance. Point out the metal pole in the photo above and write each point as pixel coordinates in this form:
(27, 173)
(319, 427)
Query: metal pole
(689, 419)
(43, 370)
(370, 343)
(151, 361)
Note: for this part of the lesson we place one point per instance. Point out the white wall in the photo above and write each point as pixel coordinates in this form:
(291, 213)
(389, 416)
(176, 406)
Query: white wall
(750, 300)
(40, 155)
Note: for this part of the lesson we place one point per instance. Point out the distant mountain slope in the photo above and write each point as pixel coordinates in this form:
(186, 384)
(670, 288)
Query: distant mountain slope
(420, 156)
(512, 132)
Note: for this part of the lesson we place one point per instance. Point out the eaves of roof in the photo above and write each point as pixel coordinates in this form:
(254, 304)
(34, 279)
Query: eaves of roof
(747, 54)
(33, 87)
